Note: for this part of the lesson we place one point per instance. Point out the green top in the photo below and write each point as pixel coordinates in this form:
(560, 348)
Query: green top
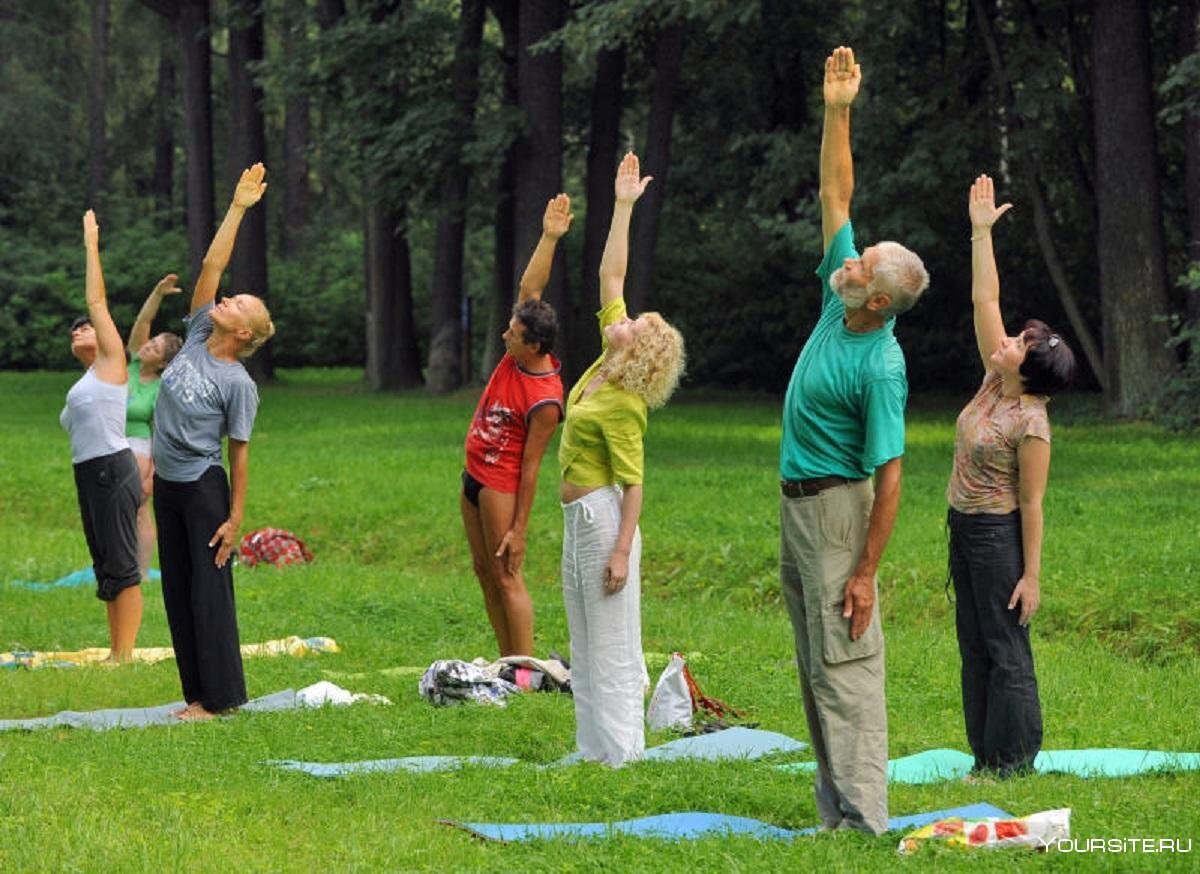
(139, 410)
(844, 410)
(602, 433)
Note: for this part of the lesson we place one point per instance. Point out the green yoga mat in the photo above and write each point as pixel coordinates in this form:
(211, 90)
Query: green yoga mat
(934, 766)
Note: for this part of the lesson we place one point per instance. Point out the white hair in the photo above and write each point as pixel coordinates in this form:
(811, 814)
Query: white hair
(900, 274)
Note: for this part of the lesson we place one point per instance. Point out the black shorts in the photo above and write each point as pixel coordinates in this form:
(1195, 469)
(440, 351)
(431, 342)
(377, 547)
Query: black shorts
(471, 488)
(110, 492)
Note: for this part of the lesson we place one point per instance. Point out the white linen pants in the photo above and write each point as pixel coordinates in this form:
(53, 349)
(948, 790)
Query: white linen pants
(607, 669)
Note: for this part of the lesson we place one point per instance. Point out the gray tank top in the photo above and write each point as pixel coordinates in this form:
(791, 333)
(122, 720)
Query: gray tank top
(95, 417)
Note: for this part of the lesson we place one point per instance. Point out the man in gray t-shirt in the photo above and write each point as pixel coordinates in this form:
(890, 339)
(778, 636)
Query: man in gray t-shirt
(202, 399)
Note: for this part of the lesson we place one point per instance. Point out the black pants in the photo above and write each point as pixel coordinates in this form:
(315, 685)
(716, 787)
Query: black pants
(110, 492)
(999, 689)
(198, 595)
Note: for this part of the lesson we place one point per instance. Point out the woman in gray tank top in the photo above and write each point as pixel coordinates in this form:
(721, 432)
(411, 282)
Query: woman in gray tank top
(106, 475)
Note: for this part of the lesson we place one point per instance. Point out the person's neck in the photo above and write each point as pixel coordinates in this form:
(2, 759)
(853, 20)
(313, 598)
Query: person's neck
(536, 362)
(223, 346)
(1011, 385)
(863, 321)
(149, 375)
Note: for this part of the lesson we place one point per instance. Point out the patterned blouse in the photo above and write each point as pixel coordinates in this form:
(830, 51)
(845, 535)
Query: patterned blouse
(989, 431)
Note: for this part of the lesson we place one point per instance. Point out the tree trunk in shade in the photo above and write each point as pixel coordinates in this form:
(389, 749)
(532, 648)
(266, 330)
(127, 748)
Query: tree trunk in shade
(446, 297)
(539, 148)
(1191, 39)
(655, 161)
(603, 146)
(97, 93)
(192, 24)
(393, 361)
(248, 145)
(500, 300)
(1131, 255)
(293, 225)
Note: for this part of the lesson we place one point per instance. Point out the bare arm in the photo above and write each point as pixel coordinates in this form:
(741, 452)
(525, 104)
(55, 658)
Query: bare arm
(860, 588)
(140, 332)
(985, 279)
(226, 536)
(250, 189)
(1033, 459)
(616, 572)
(110, 364)
(614, 262)
(842, 79)
(555, 224)
(541, 428)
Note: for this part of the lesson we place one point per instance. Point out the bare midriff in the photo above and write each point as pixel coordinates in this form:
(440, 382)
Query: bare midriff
(568, 492)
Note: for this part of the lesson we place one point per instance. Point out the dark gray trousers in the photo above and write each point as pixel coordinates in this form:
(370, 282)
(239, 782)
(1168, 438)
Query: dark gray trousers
(999, 690)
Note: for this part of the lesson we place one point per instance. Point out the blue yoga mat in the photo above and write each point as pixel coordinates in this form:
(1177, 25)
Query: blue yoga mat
(692, 825)
(934, 766)
(137, 717)
(83, 577)
(414, 764)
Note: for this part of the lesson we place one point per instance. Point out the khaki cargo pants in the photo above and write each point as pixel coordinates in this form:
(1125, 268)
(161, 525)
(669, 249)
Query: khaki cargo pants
(842, 681)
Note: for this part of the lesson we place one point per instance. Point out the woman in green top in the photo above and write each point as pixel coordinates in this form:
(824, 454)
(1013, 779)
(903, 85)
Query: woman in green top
(601, 460)
(149, 357)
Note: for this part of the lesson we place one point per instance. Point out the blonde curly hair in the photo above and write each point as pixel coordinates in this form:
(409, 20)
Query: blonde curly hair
(652, 365)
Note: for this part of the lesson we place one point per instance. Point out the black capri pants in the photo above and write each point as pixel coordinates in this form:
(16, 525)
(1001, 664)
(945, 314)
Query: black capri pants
(197, 594)
(1001, 708)
(110, 492)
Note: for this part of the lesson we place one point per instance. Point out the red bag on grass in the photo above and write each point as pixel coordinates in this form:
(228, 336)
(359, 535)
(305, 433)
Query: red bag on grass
(275, 546)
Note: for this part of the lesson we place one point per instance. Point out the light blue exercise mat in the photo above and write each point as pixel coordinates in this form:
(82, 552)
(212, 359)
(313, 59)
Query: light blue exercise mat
(692, 825)
(413, 764)
(138, 717)
(83, 577)
(934, 766)
(732, 743)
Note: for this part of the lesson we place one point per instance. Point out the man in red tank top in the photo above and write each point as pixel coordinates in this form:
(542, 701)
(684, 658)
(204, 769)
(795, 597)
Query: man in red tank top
(513, 423)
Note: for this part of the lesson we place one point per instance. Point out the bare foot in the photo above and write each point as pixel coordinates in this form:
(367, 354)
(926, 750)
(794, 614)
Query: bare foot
(979, 780)
(178, 714)
(195, 713)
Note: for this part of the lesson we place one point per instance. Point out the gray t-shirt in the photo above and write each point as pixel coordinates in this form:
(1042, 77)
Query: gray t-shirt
(201, 400)
(94, 416)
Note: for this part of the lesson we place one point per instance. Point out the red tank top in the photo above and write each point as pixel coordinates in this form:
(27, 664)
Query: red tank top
(496, 439)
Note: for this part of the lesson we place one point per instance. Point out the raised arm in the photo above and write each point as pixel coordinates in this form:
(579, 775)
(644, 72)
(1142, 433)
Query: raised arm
(110, 356)
(249, 190)
(614, 262)
(555, 223)
(985, 281)
(140, 332)
(842, 78)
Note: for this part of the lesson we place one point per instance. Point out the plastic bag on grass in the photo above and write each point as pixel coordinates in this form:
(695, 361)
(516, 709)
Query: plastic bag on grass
(671, 703)
(1038, 830)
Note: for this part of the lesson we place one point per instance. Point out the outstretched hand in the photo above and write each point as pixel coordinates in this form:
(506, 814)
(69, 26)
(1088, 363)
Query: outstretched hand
(630, 183)
(557, 220)
(91, 230)
(167, 285)
(842, 78)
(981, 204)
(250, 187)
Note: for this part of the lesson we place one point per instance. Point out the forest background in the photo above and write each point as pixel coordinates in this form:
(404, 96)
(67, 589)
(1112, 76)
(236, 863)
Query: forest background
(411, 146)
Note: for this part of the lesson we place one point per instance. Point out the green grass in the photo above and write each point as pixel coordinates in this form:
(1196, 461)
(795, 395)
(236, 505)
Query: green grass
(371, 483)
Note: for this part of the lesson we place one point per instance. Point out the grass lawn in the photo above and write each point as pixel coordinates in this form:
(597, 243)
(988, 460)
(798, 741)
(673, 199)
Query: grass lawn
(371, 483)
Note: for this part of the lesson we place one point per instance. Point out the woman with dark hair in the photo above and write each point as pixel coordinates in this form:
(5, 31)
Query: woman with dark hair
(1001, 464)
(148, 357)
(106, 476)
(602, 462)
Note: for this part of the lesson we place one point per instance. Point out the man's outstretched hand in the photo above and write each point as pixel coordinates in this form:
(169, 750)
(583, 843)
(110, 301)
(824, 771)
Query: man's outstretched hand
(842, 78)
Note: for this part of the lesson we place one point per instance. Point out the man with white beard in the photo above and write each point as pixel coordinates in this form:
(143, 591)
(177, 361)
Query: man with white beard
(843, 421)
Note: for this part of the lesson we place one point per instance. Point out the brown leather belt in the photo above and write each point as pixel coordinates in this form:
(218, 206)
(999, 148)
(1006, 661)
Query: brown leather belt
(807, 488)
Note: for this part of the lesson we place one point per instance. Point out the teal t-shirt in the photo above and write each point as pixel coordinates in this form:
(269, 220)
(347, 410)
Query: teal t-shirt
(139, 411)
(844, 410)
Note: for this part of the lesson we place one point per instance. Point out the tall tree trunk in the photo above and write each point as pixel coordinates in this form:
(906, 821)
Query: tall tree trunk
(446, 297)
(1031, 177)
(296, 133)
(656, 161)
(1133, 288)
(248, 267)
(500, 300)
(393, 361)
(539, 149)
(330, 12)
(192, 24)
(1191, 13)
(164, 131)
(97, 101)
(603, 144)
